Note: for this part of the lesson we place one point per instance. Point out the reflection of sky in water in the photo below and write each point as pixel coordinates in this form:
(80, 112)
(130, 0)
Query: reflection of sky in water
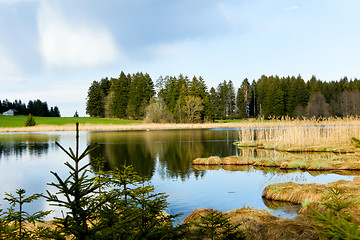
(220, 189)
(32, 171)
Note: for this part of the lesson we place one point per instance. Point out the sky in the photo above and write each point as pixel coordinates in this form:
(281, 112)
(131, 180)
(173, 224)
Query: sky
(53, 50)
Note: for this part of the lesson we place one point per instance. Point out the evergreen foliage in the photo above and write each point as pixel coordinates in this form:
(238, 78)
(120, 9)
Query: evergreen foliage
(215, 225)
(270, 96)
(95, 100)
(112, 205)
(336, 222)
(30, 121)
(36, 108)
(14, 219)
(78, 191)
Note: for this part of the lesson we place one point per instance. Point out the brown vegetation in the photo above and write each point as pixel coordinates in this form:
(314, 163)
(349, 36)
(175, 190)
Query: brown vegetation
(260, 224)
(290, 161)
(327, 135)
(313, 192)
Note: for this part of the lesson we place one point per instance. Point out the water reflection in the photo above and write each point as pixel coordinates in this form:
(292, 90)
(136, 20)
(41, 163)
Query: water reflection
(286, 208)
(165, 156)
(174, 151)
(19, 144)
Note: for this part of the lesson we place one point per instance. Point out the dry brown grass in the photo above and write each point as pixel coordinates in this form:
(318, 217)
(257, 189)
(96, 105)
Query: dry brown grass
(225, 167)
(260, 224)
(312, 162)
(333, 134)
(313, 192)
(214, 160)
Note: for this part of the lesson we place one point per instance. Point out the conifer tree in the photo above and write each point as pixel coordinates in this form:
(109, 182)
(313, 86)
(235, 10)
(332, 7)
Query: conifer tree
(77, 193)
(95, 100)
(30, 121)
(17, 218)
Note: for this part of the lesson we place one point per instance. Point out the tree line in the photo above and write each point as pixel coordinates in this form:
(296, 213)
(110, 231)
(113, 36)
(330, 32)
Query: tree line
(34, 107)
(181, 99)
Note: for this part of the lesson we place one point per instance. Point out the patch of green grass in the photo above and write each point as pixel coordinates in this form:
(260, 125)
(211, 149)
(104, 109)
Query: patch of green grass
(19, 121)
(275, 188)
(322, 164)
(301, 163)
(268, 161)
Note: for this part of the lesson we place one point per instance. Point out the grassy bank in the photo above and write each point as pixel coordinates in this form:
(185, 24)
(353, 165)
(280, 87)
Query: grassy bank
(289, 161)
(19, 121)
(314, 193)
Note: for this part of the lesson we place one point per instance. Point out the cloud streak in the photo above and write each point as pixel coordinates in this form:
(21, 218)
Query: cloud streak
(65, 43)
(291, 8)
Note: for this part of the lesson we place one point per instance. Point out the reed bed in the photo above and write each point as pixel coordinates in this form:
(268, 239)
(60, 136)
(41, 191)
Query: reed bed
(313, 192)
(332, 134)
(314, 162)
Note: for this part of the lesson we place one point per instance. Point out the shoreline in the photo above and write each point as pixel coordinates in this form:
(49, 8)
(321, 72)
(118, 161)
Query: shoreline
(125, 127)
(349, 122)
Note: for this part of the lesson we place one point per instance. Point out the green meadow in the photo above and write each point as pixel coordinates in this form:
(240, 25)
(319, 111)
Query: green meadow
(19, 121)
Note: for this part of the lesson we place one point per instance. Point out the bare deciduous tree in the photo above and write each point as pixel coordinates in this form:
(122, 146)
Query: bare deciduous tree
(192, 108)
(317, 106)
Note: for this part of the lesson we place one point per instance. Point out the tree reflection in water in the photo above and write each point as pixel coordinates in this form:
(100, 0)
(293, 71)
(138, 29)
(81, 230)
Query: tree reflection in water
(19, 144)
(169, 152)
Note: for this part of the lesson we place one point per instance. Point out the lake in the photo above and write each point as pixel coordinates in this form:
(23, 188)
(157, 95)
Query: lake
(165, 157)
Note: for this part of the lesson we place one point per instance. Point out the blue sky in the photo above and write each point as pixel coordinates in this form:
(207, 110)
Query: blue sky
(53, 49)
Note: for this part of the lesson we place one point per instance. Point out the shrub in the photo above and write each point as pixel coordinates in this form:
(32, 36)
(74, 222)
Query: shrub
(30, 121)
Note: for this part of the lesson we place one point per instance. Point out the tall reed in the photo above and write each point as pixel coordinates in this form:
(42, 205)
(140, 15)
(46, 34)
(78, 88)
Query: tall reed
(302, 133)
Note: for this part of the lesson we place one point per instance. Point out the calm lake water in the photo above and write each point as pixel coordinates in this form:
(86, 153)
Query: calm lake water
(164, 156)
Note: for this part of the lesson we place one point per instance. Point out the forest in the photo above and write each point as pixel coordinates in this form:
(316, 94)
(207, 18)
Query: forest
(36, 108)
(184, 99)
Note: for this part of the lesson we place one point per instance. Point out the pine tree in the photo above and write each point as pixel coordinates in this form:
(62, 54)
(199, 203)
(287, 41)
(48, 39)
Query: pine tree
(95, 100)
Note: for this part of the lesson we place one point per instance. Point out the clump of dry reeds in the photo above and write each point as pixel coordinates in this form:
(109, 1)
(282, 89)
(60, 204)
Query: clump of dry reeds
(301, 134)
(313, 192)
(293, 192)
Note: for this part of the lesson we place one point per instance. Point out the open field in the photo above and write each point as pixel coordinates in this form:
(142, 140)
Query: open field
(19, 121)
(273, 134)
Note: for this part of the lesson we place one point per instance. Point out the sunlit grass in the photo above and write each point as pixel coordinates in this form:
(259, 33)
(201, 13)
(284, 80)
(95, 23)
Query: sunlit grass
(19, 121)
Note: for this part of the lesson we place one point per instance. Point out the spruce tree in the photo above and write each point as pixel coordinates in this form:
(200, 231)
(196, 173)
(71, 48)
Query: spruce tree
(17, 218)
(95, 100)
(77, 193)
(30, 121)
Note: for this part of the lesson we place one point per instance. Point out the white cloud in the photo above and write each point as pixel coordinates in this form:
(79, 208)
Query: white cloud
(68, 43)
(291, 8)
